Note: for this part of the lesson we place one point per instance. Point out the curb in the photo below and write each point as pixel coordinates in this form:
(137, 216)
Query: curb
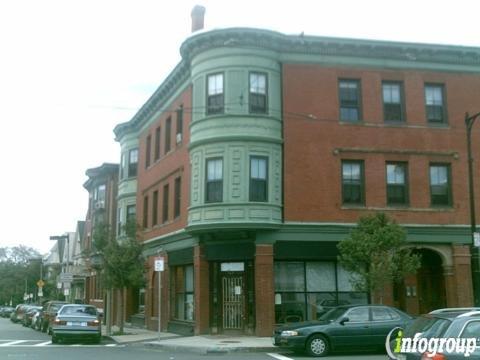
(211, 349)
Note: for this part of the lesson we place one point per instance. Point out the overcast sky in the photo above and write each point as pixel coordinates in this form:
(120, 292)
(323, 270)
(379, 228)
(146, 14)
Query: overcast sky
(71, 70)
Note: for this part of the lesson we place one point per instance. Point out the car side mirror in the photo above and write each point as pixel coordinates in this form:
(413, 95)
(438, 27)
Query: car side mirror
(344, 320)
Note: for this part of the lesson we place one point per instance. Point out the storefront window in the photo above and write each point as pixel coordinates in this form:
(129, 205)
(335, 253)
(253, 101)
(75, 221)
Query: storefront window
(306, 290)
(182, 293)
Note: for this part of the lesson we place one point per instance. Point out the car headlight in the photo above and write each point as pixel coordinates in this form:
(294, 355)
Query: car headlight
(289, 333)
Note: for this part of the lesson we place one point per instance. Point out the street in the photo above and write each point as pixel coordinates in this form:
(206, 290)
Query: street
(18, 342)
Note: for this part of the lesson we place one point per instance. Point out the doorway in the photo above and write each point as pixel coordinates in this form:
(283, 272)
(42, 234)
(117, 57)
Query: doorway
(233, 301)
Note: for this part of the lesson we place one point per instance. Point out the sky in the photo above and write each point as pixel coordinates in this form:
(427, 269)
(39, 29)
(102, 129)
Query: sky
(71, 70)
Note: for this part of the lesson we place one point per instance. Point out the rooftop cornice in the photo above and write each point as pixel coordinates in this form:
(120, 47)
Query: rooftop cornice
(168, 87)
(329, 46)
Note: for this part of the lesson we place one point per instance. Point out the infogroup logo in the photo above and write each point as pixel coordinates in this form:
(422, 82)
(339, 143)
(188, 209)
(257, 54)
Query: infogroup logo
(430, 347)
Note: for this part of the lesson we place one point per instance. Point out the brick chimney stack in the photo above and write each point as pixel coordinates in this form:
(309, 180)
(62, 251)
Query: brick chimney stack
(198, 14)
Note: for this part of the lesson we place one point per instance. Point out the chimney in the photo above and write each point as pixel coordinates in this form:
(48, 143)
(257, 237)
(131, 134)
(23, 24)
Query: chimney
(198, 13)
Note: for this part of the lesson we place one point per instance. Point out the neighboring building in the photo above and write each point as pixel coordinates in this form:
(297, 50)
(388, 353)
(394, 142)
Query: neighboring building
(102, 187)
(78, 266)
(260, 151)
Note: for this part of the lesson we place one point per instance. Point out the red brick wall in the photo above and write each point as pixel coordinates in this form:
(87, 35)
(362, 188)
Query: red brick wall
(264, 291)
(165, 170)
(310, 142)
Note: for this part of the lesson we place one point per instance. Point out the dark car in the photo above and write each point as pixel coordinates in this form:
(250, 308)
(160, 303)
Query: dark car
(30, 311)
(352, 327)
(457, 323)
(6, 311)
(50, 309)
(77, 322)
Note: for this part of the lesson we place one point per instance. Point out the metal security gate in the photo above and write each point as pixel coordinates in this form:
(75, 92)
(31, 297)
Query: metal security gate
(233, 302)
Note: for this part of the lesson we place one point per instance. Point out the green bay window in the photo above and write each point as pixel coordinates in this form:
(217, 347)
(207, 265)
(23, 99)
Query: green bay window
(258, 179)
(214, 180)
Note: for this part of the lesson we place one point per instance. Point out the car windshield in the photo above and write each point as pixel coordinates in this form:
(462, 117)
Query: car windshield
(428, 326)
(78, 310)
(333, 314)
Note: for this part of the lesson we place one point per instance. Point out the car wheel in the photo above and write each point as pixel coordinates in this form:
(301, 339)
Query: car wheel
(317, 345)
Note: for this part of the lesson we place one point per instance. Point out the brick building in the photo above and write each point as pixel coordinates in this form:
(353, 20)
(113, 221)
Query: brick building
(260, 151)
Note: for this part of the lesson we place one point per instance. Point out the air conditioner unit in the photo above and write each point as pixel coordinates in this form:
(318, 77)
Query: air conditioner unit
(179, 138)
(100, 205)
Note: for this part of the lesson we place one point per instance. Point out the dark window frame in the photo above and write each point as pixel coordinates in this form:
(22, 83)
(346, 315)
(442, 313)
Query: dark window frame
(361, 202)
(254, 192)
(155, 208)
(342, 102)
(177, 197)
(148, 150)
(400, 105)
(209, 184)
(145, 212)
(157, 151)
(449, 202)
(254, 98)
(180, 292)
(168, 135)
(165, 202)
(444, 119)
(405, 186)
(132, 166)
(215, 103)
(179, 127)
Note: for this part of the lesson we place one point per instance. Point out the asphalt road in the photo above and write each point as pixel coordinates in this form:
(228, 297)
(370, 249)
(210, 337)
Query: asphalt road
(18, 342)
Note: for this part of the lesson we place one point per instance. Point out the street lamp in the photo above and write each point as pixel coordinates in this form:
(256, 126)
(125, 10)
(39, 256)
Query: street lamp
(474, 247)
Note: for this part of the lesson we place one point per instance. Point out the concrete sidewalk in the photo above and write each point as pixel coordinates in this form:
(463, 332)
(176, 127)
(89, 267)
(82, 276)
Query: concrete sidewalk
(203, 344)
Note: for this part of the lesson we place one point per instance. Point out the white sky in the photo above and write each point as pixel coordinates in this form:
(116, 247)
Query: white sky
(71, 70)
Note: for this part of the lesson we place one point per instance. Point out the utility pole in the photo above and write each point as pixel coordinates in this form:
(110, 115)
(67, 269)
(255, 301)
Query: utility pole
(474, 246)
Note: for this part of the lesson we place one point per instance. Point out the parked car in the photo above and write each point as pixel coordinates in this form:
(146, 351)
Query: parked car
(454, 323)
(36, 322)
(351, 327)
(50, 309)
(29, 312)
(6, 311)
(78, 322)
(18, 313)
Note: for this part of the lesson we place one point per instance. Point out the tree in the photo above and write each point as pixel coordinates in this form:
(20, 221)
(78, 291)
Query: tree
(123, 262)
(376, 253)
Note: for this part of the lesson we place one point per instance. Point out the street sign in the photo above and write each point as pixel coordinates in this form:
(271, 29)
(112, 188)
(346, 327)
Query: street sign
(40, 292)
(40, 283)
(159, 263)
(66, 277)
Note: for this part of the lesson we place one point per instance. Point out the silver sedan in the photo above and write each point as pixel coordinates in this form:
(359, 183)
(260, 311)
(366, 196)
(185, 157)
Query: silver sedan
(77, 322)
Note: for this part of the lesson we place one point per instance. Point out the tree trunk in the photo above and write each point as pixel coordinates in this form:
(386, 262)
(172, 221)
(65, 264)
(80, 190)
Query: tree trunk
(120, 310)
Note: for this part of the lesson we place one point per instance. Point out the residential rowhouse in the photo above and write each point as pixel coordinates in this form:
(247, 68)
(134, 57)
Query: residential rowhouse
(259, 153)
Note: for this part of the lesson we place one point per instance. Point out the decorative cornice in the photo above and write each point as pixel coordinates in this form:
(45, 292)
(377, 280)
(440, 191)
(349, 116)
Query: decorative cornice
(175, 79)
(329, 46)
(453, 154)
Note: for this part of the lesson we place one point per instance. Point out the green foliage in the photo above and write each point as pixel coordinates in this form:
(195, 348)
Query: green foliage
(376, 252)
(20, 270)
(123, 263)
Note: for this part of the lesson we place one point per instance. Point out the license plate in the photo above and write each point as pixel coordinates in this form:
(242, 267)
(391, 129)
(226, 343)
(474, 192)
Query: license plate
(76, 323)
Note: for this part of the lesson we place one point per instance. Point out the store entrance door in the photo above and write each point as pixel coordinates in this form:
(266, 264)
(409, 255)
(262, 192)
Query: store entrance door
(233, 297)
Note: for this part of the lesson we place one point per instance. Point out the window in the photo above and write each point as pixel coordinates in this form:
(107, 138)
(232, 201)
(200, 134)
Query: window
(132, 163)
(158, 132)
(99, 193)
(215, 94)
(384, 314)
(168, 134)
(352, 182)
(148, 150)
(145, 212)
(349, 93)
(440, 190)
(358, 315)
(165, 204)
(392, 101)
(397, 189)
(155, 208)
(305, 290)
(123, 165)
(119, 221)
(182, 293)
(177, 195)
(131, 213)
(214, 189)
(258, 93)
(258, 178)
(179, 124)
(434, 104)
